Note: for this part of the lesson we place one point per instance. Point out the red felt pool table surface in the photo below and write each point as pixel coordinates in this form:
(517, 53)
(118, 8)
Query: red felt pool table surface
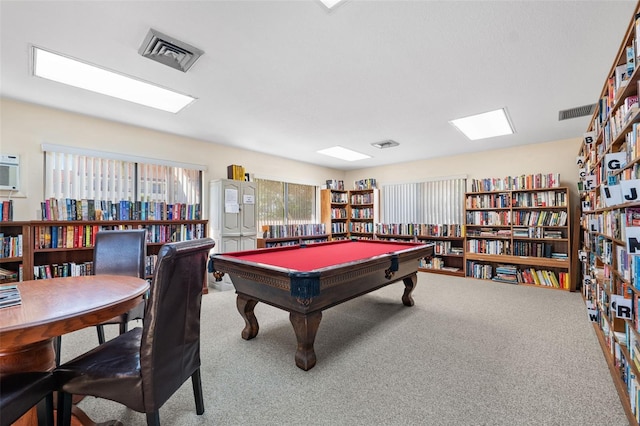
(318, 256)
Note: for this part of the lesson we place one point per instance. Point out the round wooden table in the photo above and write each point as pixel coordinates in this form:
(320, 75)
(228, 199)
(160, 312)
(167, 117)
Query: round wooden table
(57, 306)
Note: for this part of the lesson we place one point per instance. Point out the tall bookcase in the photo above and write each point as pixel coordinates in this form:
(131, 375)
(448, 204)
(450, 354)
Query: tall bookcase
(334, 213)
(609, 163)
(520, 237)
(363, 211)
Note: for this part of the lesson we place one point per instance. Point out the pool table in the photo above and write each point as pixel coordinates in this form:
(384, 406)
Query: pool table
(304, 280)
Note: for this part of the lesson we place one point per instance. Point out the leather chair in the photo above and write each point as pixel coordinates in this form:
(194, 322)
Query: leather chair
(19, 392)
(120, 252)
(143, 367)
(117, 252)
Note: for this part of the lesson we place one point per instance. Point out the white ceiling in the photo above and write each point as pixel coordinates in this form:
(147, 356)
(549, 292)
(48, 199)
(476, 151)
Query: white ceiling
(290, 78)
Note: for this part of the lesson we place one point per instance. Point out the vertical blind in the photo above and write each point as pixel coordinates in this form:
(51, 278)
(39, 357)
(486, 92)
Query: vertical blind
(283, 203)
(434, 202)
(77, 176)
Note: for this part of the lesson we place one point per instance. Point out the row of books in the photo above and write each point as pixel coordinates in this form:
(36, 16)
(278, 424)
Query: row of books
(335, 184)
(485, 201)
(369, 183)
(8, 276)
(365, 213)
(522, 248)
(502, 247)
(72, 209)
(514, 275)
(75, 236)
(540, 218)
(236, 172)
(538, 232)
(489, 232)
(436, 263)
(73, 269)
(366, 198)
(338, 228)
(339, 197)
(284, 231)
(511, 183)
(540, 199)
(362, 227)
(6, 211)
(420, 229)
(445, 247)
(66, 269)
(338, 213)
(10, 246)
(501, 218)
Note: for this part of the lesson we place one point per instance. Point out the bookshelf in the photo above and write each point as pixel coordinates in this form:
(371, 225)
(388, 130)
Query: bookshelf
(14, 251)
(62, 248)
(334, 213)
(448, 242)
(609, 167)
(519, 236)
(363, 212)
(288, 235)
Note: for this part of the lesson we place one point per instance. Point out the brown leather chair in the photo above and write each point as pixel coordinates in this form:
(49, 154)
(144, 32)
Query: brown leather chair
(143, 367)
(120, 252)
(21, 391)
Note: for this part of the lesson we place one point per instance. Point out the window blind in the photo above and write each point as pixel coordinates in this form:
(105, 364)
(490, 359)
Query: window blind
(78, 176)
(436, 202)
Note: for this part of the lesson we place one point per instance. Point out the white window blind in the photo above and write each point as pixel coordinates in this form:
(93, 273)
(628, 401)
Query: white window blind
(78, 176)
(435, 202)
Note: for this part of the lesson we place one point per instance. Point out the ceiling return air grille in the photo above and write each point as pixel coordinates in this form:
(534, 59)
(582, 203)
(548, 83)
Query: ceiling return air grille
(169, 51)
(576, 112)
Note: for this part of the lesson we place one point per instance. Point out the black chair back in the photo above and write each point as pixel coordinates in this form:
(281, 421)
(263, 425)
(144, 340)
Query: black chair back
(170, 345)
(120, 252)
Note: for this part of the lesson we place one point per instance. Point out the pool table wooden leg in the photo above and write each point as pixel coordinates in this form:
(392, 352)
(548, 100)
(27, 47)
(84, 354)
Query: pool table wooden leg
(305, 327)
(409, 284)
(245, 307)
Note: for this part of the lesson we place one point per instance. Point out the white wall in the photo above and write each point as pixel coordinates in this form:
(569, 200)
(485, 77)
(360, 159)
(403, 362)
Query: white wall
(24, 127)
(550, 157)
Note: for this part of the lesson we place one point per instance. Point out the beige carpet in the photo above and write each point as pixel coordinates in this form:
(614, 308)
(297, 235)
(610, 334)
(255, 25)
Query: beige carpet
(469, 352)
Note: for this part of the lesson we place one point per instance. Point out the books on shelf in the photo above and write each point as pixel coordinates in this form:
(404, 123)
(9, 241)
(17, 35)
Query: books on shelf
(299, 230)
(68, 209)
(369, 183)
(9, 296)
(335, 184)
(6, 211)
(509, 183)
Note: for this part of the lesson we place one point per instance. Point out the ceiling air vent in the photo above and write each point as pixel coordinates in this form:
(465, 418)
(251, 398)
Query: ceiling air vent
(169, 51)
(385, 144)
(576, 112)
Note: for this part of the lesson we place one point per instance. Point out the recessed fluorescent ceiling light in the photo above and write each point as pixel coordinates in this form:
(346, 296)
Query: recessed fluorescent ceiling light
(485, 125)
(79, 74)
(343, 153)
(330, 3)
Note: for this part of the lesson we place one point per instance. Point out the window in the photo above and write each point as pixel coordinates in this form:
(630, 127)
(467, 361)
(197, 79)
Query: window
(282, 203)
(434, 202)
(91, 175)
